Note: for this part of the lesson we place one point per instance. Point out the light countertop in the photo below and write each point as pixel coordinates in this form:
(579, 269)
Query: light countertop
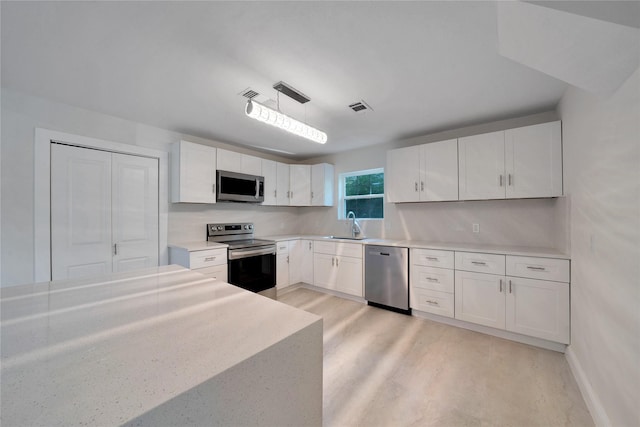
(464, 247)
(104, 351)
(198, 246)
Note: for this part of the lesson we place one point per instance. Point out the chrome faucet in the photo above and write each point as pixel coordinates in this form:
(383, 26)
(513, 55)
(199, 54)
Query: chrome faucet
(355, 227)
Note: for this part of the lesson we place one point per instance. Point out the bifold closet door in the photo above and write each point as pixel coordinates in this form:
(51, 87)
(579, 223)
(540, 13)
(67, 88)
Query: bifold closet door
(134, 212)
(80, 212)
(104, 212)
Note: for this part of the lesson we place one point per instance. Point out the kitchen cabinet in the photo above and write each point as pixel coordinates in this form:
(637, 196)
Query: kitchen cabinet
(481, 166)
(209, 262)
(301, 265)
(322, 184)
(533, 161)
(193, 173)
(518, 163)
(300, 185)
(431, 283)
(270, 173)
(338, 266)
(282, 265)
(425, 173)
(282, 184)
(526, 305)
(238, 162)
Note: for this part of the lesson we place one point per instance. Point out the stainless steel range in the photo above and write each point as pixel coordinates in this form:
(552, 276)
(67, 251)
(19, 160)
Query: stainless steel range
(251, 262)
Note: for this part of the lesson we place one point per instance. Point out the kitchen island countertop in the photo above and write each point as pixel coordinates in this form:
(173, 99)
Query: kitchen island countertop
(162, 345)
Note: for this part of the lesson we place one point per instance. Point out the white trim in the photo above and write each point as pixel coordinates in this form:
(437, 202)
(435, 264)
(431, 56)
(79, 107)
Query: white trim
(333, 293)
(42, 192)
(599, 415)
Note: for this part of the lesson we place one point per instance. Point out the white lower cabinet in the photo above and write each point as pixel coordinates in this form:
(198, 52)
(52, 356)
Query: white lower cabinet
(431, 283)
(480, 298)
(301, 261)
(210, 262)
(524, 305)
(282, 265)
(338, 266)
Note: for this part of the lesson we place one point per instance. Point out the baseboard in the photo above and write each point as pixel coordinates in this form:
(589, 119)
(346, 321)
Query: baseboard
(589, 395)
(334, 293)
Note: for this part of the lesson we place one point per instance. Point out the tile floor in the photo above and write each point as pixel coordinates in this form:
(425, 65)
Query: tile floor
(387, 369)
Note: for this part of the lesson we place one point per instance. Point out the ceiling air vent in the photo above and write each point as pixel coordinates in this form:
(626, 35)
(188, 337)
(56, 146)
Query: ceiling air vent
(360, 107)
(249, 93)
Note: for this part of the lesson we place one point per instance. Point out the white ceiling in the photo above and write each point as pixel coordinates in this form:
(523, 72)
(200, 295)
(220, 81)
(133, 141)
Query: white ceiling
(422, 66)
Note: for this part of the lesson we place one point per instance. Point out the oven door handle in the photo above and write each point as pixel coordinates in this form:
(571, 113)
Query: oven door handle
(240, 253)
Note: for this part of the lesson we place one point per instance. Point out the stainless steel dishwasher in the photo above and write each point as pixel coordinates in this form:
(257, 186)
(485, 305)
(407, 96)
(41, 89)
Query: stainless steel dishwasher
(386, 277)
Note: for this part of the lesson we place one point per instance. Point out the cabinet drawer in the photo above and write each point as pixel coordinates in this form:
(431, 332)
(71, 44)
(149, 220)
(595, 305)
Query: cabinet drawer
(436, 279)
(556, 270)
(217, 272)
(324, 247)
(432, 258)
(199, 259)
(353, 250)
(282, 247)
(481, 263)
(435, 302)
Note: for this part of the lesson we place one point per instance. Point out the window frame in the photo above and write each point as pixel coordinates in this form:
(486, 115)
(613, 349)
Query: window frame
(342, 197)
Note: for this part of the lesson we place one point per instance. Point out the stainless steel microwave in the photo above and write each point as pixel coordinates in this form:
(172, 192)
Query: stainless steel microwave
(239, 187)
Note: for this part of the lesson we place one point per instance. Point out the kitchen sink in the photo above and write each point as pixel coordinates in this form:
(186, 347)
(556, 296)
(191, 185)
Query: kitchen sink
(346, 237)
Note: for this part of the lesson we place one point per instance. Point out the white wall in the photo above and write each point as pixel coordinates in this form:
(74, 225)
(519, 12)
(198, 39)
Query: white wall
(21, 114)
(602, 180)
(540, 223)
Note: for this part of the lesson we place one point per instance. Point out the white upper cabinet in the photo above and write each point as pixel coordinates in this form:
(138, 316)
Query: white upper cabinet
(282, 184)
(300, 185)
(238, 162)
(270, 173)
(424, 173)
(322, 184)
(402, 175)
(193, 173)
(439, 171)
(481, 166)
(517, 163)
(533, 161)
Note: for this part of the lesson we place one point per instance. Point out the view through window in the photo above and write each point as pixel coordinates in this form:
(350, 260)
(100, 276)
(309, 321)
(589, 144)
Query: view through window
(363, 193)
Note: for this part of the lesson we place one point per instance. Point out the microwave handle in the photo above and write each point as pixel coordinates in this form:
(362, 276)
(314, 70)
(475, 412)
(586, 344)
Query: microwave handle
(257, 187)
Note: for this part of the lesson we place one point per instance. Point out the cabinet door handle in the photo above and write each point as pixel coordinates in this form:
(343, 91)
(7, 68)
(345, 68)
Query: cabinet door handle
(432, 258)
(213, 188)
(510, 180)
(115, 249)
(333, 261)
(510, 290)
(478, 263)
(309, 245)
(312, 194)
(431, 279)
(500, 285)
(432, 302)
(287, 259)
(416, 185)
(275, 193)
(210, 258)
(421, 185)
(500, 180)
(530, 267)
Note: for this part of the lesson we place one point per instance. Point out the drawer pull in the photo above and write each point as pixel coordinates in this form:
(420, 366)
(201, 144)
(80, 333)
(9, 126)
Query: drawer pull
(530, 267)
(210, 258)
(431, 279)
(500, 285)
(478, 263)
(432, 302)
(432, 258)
(510, 286)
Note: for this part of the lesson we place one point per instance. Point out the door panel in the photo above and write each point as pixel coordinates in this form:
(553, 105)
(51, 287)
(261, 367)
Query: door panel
(481, 166)
(80, 212)
(439, 171)
(402, 175)
(479, 299)
(135, 212)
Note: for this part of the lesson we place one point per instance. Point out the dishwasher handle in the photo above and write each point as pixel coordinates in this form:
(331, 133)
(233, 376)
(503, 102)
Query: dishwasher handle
(379, 253)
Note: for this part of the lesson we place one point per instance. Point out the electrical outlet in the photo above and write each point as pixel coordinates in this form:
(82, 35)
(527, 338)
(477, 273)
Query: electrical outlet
(476, 228)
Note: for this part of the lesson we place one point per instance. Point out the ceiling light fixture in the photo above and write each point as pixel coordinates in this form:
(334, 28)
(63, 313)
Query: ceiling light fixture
(282, 121)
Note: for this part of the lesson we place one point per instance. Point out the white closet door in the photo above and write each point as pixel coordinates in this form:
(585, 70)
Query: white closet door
(134, 212)
(80, 212)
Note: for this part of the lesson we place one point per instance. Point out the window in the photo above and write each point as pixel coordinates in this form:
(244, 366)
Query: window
(363, 193)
